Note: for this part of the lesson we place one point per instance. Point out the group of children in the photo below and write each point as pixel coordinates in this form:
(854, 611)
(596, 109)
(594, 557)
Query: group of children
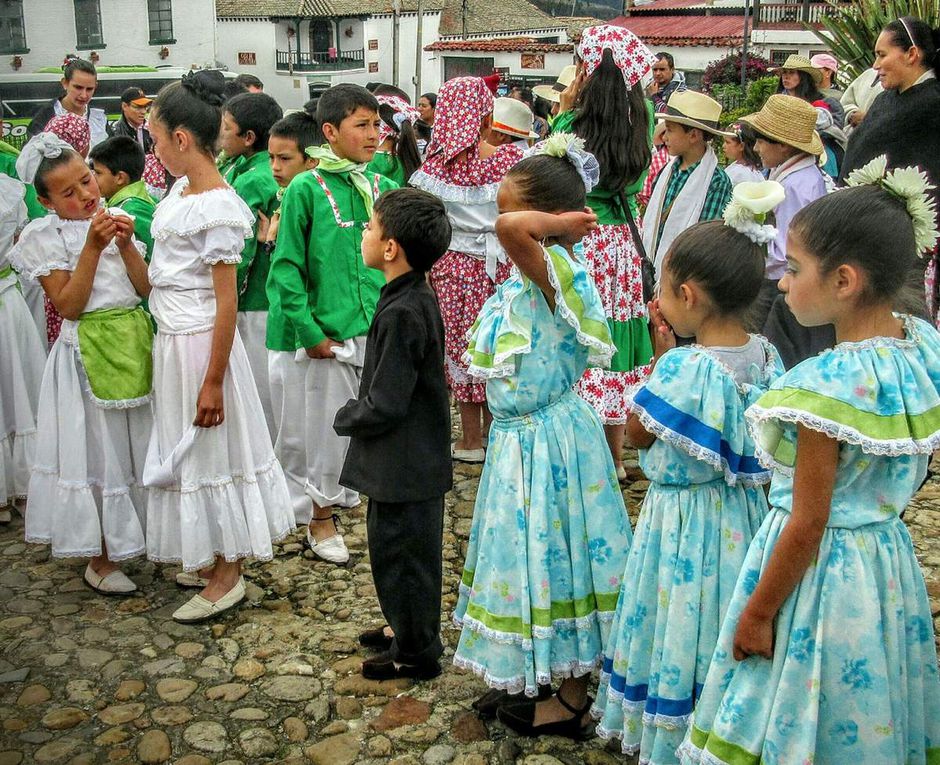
(300, 357)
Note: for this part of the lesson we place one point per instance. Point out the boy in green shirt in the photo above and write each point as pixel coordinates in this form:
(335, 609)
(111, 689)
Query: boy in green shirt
(118, 165)
(327, 294)
(246, 123)
(288, 142)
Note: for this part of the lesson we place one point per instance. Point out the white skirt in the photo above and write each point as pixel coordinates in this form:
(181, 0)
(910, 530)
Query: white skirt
(22, 358)
(86, 480)
(227, 495)
(253, 327)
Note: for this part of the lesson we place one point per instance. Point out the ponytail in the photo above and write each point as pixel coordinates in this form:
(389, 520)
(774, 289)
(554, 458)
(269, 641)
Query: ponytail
(406, 149)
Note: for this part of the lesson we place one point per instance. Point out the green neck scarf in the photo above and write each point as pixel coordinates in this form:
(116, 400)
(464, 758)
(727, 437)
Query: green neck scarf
(136, 190)
(328, 162)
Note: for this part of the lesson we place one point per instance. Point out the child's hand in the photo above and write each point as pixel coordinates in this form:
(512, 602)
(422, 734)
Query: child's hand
(577, 225)
(569, 96)
(264, 224)
(124, 230)
(663, 337)
(101, 231)
(323, 349)
(209, 406)
(754, 636)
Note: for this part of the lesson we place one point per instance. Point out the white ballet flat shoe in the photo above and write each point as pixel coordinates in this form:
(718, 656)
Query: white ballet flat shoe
(5, 516)
(191, 579)
(332, 549)
(198, 609)
(471, 456)
(115, 583)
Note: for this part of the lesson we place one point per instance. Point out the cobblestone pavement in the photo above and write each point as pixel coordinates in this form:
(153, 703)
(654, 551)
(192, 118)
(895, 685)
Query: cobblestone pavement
(88, 679)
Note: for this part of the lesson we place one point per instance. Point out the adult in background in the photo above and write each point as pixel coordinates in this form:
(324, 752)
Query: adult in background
(134, 107)
(859, 96)
(605, 106)
(666, 80)
(79, 81)
(829, 66)
(903, 122)
(424, 128)
(800, 78)
(250, 83)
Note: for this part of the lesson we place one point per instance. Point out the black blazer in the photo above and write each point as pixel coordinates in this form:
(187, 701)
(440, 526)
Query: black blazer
(400, 424)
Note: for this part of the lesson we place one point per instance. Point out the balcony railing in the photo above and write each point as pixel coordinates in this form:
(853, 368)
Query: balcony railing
(319, 61)
(793, 13)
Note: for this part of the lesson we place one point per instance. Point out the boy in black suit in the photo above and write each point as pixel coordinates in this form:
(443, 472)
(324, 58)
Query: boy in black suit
(399, 454)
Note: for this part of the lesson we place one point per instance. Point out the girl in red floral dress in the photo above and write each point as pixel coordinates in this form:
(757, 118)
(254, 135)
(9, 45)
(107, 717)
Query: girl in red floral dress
(605, 105)
(464, 172)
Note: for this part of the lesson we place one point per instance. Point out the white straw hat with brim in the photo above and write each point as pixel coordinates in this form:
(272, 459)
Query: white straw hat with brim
(800, 64)
(512, 117)
(689, 107)
(789, 120)
(553, 92)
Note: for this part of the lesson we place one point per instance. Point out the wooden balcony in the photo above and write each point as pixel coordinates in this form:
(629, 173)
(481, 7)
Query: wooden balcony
(790, 13)
(319, 61)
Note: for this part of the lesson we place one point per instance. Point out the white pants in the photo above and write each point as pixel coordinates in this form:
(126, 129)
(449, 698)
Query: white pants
(252, 326)
(306, 394)
(32, 294)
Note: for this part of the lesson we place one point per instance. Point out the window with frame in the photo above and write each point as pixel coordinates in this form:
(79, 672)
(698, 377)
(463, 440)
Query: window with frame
(88, 33)
(160, 19)
(12, 29)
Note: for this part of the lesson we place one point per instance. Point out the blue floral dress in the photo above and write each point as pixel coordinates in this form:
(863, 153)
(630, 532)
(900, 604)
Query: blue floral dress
(550, 532)
(703, 507)
(853, 677)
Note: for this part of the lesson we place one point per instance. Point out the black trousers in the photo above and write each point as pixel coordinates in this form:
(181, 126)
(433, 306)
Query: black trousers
(405, 540)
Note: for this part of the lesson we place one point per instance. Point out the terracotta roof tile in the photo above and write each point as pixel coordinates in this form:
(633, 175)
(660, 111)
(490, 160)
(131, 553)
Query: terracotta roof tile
(509, 45)
(493, 16)
(685, 31)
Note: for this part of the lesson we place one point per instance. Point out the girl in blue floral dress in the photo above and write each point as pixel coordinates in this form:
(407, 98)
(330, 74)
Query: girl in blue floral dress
(705, 501)
(550, 532)
(827, 651)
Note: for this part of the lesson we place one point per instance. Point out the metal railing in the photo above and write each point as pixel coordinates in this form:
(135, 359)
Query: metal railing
(319, 61)
(776, 13)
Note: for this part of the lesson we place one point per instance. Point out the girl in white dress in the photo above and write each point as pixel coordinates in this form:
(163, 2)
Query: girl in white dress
(218, 493)
(85, 495)
(22, 357)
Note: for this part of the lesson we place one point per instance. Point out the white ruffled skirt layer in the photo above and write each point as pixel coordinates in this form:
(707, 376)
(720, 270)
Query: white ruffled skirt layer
(86, 482)
(22, 358)
(223, 492)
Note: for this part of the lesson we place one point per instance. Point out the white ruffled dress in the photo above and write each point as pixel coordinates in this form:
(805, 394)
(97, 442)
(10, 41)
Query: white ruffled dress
(22, 356)
(85, 483)
(214, 491)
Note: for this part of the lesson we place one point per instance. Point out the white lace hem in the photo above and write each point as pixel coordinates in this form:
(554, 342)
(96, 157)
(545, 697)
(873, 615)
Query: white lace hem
(699, 452)
(88, 552)
(119, 403)
(231, 258)
(756, 415)
(450, 192)
(517, 683)
(688, 749)
(228, 557)
(86, 484)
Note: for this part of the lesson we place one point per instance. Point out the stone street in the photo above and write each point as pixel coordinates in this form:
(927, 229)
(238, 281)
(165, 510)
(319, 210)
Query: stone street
(89, 679)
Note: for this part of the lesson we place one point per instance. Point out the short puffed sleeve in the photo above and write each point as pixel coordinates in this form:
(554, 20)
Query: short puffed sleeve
(221, 244)
(692, 402)
(40, 249)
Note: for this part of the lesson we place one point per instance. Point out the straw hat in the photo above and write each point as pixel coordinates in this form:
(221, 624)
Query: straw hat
(553, 92)
(512, 117)
(800, 64)
(689, 107)
(788, 120)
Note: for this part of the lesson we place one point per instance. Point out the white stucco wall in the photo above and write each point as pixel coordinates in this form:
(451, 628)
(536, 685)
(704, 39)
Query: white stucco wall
(554, 63)
(50, 34)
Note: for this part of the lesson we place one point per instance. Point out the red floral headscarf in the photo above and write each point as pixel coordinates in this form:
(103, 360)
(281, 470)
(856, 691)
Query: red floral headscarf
(631, 56)
(462, 103)
(72, 129)
(403, 111)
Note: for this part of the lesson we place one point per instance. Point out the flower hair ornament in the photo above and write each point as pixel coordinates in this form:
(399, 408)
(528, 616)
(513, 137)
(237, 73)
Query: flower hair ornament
(40, 147)
(911, 186)
(748, 208)
(570, 147)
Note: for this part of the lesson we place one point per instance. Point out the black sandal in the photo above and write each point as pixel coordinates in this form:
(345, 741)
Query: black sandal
(493, 699)
(376, 639)
(519, 718)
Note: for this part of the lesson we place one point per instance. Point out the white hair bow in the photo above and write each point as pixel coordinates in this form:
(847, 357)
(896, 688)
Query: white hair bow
(39, 148)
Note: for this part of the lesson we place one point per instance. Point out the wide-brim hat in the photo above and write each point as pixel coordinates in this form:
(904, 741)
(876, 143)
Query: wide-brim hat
(689, 107)
(512, 117)
(553, 92)
(800, 64)
(789, 120)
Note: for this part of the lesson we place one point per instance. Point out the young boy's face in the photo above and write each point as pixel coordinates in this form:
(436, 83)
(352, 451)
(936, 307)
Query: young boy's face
(678, 141)
(773, 154)
(108, 183)
(287, 160)
(230, 139)
(355, 138)
(374, 244)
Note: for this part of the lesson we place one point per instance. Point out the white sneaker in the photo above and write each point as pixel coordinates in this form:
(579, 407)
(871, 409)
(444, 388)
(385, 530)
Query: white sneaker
(332, 549)
(115, 583)
(191, 579)
(198, 609)
(5, 516)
